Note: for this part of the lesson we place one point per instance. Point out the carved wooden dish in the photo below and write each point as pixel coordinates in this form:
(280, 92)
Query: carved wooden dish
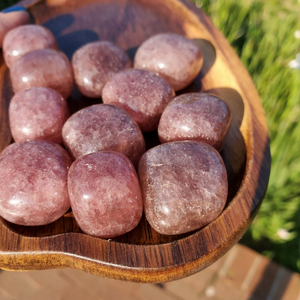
(144, 255)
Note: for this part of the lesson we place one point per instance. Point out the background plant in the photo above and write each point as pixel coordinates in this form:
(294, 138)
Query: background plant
(262, 34)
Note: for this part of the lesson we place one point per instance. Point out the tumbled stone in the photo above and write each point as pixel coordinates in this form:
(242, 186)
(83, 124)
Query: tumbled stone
(143, 94)
(103, 127)
(25, 39)
(195, 116)
(43, 68)
(38, 114)
(174, 57)
(10, 20)
(95, 64)
(184, 186)
(105, 194)
(33, 183)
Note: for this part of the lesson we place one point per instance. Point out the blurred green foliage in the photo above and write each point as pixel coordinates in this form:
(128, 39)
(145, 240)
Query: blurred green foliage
(6, 3)
(262, 34)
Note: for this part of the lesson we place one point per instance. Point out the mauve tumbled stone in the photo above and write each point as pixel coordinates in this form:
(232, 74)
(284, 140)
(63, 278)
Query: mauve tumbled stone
(195, 116)
(184, 186)
(103, 127)
(43, 68)
(38, 114)
(143, 94)
(95, 64)
(25, 39)
(172, 56)
(11, 20)
(33, 183)
(105, 194)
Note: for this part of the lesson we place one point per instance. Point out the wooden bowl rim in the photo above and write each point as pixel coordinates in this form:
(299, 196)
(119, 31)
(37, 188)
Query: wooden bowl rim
(130, 261)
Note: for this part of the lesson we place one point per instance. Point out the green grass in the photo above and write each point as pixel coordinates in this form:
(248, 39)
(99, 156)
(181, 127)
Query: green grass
(262, 33)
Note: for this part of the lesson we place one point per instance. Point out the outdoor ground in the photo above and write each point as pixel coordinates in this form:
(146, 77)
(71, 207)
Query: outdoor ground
(241, 274)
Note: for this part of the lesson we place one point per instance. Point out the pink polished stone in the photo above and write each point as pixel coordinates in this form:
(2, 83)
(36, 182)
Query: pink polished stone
(33, 183)
(103, 127)
(43, 68)
(95, 64)
(195, 116)
(184, 186)
(25, 39)
(38, 114)
(172, 56)
(11, 20)
(105, 194)
(142, 93)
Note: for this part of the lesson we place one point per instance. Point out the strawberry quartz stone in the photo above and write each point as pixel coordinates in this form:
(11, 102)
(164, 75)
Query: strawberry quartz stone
(33, 183)
(184, 186)
(103, 127)
(105, 194)
(95, 64)
(195, 116)
(25, 39)
(43, 68)
(38, 114)
(174, 57)
(143, 94)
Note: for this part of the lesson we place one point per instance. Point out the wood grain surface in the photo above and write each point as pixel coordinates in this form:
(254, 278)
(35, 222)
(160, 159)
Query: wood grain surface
(143, 255)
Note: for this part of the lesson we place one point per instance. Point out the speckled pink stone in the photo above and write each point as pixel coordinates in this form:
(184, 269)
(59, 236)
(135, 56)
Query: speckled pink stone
(11, 20)
(38, 114)
(105, 194)
(103, 127)
(25, 39)
(33, 183)
(43, 68)
(195, 116)
(174, 57)
(143, 94)
(95, 64)
(184, 186)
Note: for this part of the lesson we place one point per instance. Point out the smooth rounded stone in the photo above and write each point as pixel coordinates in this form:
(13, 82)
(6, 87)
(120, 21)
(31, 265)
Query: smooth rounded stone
(10, 20)
(103, 127)
(174, 57)
(184, 186)
(95, 64)
(43, 68)
(33, 183)
(195, 116)
(38, 114)
(105, 194)
(25, 39)
(143, 94)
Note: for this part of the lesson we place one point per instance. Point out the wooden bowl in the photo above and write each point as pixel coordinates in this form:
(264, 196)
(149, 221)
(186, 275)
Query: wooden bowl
(143, 255)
